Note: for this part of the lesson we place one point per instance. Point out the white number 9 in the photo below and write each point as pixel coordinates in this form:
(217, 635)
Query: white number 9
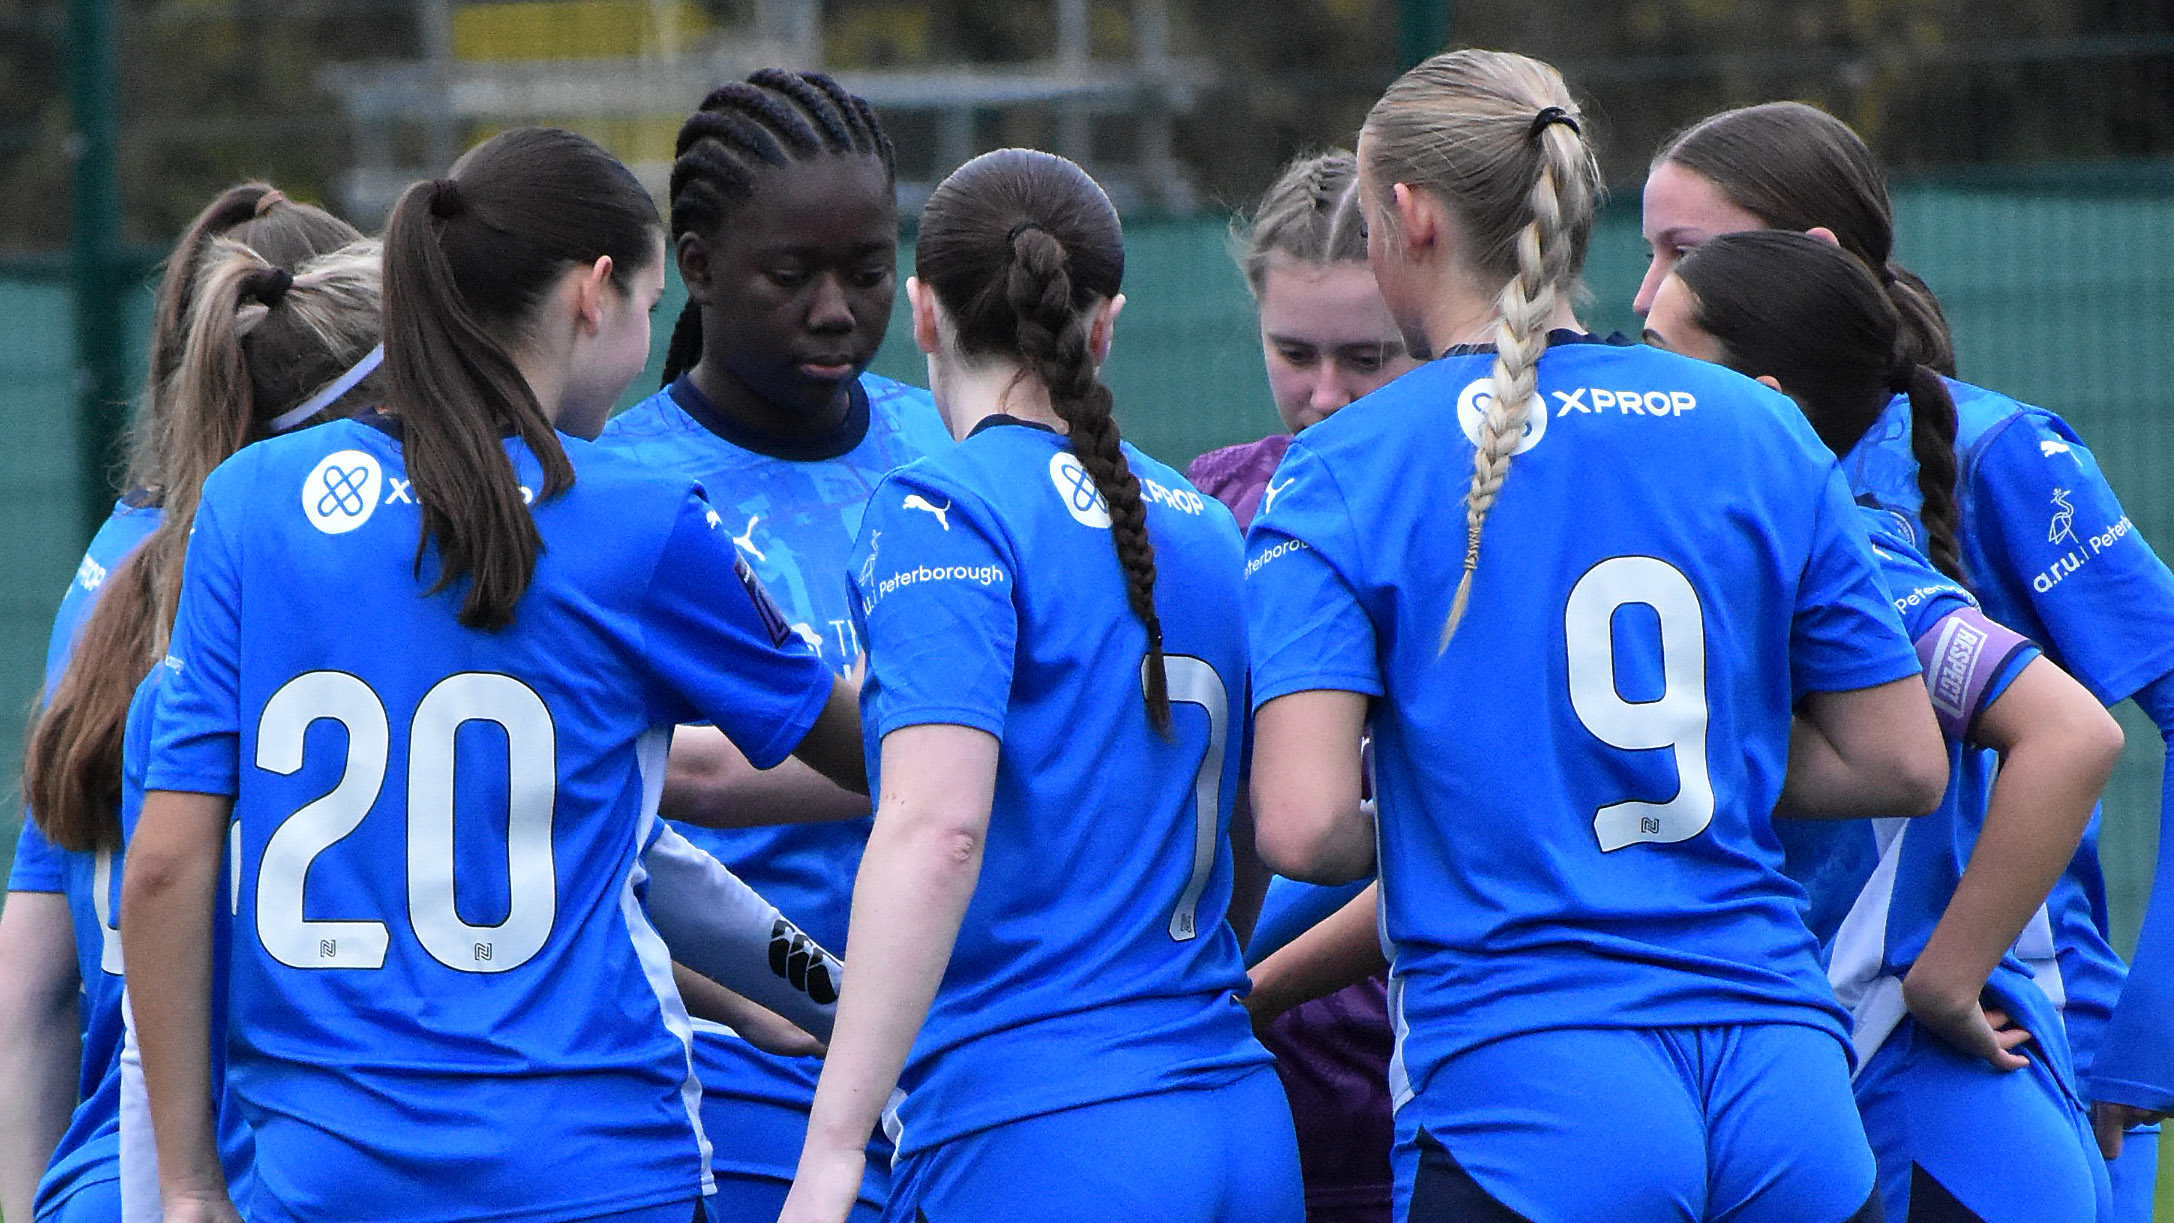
(1675, 720)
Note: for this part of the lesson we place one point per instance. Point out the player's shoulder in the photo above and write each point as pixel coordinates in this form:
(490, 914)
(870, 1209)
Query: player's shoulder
(657, 416)
(1909, 575)
(890, 397)
(1984, 416)
(1232, 471)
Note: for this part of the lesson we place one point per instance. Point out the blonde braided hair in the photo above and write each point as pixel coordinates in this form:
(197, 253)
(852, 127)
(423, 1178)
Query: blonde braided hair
(1495, 137)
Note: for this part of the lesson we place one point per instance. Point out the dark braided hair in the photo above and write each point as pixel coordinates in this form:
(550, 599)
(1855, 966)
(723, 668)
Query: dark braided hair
(1813, 318)
(772, 118)
(1019, 246)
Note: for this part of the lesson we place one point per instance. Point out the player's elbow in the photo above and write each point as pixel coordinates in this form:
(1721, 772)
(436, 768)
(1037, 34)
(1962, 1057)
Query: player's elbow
(1918, 776)
(1300, 842)
(2090, 741)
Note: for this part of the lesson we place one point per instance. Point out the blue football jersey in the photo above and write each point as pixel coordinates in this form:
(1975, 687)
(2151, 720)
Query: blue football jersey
(2051, 554)
(447, 1002)
(1877, 888)
(1575, 795)
(1094, 962)
(793, 513)
(89, 1150)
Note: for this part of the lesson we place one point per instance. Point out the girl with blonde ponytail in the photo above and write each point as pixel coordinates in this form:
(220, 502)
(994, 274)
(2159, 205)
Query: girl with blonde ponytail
(1578, 624)
(1055, 664)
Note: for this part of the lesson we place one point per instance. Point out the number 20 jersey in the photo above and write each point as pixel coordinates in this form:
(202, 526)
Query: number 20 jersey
(447, 1000)
(1094, 962)
(1575, 794)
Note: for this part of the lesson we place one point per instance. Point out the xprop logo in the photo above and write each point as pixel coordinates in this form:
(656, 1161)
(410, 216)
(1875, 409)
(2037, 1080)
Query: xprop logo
(1472, 405)
(1081, 498)
(342, 491)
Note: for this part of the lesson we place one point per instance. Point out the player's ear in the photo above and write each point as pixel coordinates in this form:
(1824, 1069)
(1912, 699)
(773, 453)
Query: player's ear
(1825, 235)
(1102, 328)
(692, 253)
(590, 285)
(1418, 216)
(1770, 381)
(922, 300)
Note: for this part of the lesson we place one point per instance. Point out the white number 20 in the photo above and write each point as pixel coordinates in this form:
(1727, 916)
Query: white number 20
(1675, 720)
(1192, 681)
(433, 913)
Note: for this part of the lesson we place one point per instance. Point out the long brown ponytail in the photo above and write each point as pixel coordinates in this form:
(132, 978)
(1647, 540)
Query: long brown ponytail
(258, 343)
(467, 260)
(1019, 246)
(1788, 306)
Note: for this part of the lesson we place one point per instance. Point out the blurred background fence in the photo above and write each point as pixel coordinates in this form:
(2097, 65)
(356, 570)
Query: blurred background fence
(2032, 143)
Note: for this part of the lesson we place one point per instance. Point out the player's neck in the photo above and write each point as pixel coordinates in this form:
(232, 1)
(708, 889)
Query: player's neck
(969, 395)
(1463, 315)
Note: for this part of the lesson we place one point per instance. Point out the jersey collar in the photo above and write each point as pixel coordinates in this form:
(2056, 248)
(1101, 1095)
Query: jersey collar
(994, 419)
(828, 445)
(1560, 335)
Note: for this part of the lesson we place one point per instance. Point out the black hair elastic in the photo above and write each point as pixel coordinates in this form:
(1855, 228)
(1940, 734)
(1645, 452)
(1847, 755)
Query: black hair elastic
(1898, 381)
(1550, 115)
(445, 199)
(268, 285)
(1019, 229)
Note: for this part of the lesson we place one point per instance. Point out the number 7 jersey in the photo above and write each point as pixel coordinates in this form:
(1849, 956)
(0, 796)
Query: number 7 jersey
(447, 1002)
(1575, 793)
(1094, 962)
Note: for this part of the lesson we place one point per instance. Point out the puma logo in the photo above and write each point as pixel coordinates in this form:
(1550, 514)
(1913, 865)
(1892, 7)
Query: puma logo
(746, 540)
(915, 501)
(1268, 495)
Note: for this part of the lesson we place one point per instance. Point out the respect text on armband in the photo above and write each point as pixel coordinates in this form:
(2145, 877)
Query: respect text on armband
(1591, 399)
(1283, 549)
(980, 575)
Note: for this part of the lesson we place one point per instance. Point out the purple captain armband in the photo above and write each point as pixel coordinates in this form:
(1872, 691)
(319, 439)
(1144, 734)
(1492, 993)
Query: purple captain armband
(1961, 655)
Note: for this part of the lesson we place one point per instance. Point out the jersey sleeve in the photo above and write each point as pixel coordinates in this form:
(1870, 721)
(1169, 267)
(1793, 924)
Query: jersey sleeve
(933, 598)
(719, 650)
(37, 864)
(1845, 633)
(2134, 1064)
(718, 926)
(196, 724)
(2104, 600)
(1305, 625)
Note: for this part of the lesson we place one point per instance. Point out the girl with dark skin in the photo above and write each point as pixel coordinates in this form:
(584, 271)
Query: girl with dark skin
(785, 231)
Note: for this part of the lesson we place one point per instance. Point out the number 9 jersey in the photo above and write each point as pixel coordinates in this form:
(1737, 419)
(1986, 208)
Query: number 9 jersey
(447, 1002)
(1575, 794)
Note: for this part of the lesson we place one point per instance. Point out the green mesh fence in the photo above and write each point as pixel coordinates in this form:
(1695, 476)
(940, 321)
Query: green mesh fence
(2061, 292)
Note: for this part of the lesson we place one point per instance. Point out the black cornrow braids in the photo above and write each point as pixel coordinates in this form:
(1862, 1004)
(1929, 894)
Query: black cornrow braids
(1053, 340)
(772, 118)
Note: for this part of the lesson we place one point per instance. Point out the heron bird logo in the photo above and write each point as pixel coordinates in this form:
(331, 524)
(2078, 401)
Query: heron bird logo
(2064, 519)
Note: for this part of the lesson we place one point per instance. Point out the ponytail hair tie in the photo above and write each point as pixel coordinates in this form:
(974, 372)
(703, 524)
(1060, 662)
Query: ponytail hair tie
(1551, 115)
(268, 285)
(445, 199)
(1899, 380)
(1019, 229)
(269, 200)
(1887, 274)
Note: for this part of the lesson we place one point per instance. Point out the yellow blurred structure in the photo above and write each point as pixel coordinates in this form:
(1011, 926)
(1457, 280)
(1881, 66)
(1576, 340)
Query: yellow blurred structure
(575, 29)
